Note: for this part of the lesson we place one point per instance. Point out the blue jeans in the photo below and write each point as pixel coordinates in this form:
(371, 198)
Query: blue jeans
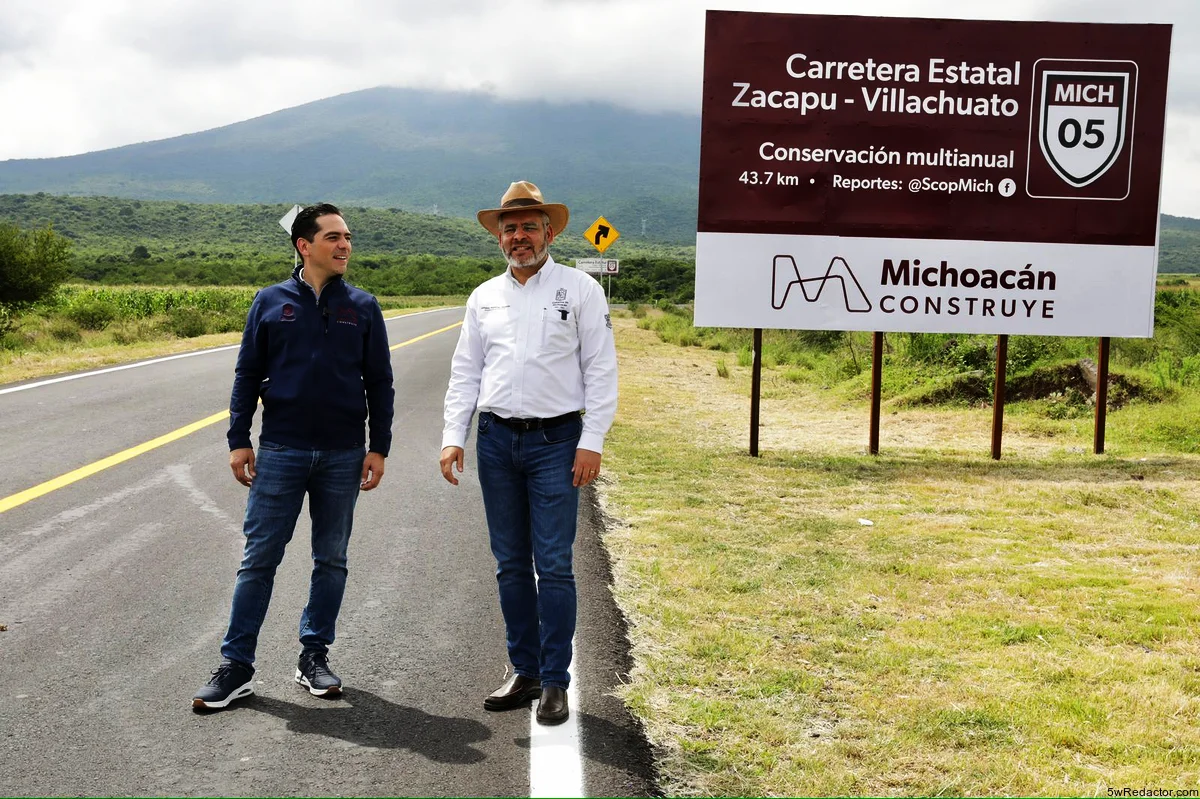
(283, 476)
(531, 510)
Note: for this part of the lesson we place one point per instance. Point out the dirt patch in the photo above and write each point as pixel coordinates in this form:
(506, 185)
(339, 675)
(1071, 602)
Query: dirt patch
(1079, 377)
(1076, 379)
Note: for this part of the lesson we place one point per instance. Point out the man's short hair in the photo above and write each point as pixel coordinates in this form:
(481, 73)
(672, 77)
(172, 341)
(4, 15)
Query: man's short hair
(305, 225)
(545, 218)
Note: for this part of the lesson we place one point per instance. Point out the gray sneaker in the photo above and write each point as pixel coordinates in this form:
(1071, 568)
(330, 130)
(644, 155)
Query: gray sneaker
(314, 674)
(230, 681)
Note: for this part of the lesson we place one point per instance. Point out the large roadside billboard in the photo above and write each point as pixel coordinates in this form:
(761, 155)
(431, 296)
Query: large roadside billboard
(867, 173)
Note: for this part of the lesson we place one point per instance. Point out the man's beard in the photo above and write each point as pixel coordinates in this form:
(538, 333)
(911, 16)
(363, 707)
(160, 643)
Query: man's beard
(532, 259)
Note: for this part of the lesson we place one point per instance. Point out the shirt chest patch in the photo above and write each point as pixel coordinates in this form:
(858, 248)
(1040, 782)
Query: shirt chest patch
(561, 302)
(346, 315)
(287, 313)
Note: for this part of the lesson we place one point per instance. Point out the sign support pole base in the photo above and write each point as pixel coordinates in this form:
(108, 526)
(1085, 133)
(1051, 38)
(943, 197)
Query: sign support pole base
(876, 382)
(998, 395)
(755, 391)
(1101, 396)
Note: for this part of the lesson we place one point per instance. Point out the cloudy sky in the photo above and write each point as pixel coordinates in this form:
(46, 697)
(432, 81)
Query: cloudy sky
(82, 75)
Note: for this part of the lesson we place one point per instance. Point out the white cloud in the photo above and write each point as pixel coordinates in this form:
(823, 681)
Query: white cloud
(77, 75)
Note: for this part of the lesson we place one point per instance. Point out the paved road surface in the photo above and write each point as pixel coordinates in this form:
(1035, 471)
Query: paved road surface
(115, 591)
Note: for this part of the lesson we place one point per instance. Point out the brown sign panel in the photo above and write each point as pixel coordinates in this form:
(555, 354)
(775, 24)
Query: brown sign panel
(932, 129)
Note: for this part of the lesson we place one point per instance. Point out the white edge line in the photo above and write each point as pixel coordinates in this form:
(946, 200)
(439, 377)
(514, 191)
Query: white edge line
(555, 755)
(122, 367)
(65, 378)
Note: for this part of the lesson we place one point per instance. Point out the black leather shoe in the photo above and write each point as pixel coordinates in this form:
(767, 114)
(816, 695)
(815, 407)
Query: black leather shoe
(553, 707)
(516, 691)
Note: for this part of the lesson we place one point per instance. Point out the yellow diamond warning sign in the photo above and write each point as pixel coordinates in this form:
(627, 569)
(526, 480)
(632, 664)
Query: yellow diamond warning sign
(601, 234)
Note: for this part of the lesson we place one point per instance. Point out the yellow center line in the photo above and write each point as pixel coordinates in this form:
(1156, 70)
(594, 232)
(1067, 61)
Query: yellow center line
(10, 502)
(395, 347)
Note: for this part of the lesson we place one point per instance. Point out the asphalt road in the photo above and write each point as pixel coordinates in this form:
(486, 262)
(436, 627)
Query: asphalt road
(115, 592)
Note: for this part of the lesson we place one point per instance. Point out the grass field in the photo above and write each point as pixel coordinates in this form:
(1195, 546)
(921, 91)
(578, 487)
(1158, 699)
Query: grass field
(926, 622)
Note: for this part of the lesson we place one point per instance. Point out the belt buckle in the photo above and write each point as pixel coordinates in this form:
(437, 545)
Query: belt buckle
(528, 424)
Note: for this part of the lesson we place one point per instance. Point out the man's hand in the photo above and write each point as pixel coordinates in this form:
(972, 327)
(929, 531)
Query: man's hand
(242, 463)
(372, 471)
(587, 467)
(451, 456)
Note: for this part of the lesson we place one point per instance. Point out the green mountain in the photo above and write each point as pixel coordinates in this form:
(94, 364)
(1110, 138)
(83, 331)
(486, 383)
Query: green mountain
(1178, 244)
(429, 152)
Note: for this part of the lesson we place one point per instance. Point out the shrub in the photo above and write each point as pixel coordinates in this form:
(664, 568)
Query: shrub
(928, 348)
(32, 264)
(973, 354)
(63, 329)
(92, 314)
(187, 322)
(822, 340)
(1068, 404)
(131, 331)
(15, 340)
(227, 322)
(1025, 351)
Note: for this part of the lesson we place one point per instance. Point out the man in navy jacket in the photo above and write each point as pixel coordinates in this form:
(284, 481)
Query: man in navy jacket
(315, 350)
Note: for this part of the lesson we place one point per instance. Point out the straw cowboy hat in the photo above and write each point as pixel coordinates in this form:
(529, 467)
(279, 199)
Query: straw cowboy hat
(524, 196)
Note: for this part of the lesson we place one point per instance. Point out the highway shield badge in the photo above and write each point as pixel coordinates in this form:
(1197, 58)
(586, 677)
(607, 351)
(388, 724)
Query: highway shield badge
(1082, 122)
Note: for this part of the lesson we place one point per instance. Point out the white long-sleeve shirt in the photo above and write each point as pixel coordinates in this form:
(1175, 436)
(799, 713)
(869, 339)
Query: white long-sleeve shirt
(534, 352)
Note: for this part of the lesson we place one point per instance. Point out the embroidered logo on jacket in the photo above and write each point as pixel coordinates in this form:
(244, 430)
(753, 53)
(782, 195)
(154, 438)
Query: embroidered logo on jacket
(347, 316)
(288, 314)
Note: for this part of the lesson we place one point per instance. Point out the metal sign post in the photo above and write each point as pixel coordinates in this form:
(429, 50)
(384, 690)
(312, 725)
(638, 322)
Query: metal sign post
(755, 391)
(1101, 396)
(998, 395)
(876, 385)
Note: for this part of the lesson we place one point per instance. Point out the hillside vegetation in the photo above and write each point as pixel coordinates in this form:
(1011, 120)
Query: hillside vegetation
(396, 252)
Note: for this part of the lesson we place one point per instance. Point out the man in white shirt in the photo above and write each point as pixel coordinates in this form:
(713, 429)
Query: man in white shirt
(536, 358)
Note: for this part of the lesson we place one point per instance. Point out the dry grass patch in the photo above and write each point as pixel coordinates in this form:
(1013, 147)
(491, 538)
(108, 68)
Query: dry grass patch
(1016, 627)
(86, 355)
(97, 349)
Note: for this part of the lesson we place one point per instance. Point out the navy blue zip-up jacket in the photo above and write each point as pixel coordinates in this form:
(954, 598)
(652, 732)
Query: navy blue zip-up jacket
(319, 366)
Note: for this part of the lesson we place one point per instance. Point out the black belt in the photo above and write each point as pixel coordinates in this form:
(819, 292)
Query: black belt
(535, 424)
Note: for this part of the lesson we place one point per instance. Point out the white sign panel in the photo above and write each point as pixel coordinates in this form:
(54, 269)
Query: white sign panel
(598, 266)
(287, 219)
(914, 285)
